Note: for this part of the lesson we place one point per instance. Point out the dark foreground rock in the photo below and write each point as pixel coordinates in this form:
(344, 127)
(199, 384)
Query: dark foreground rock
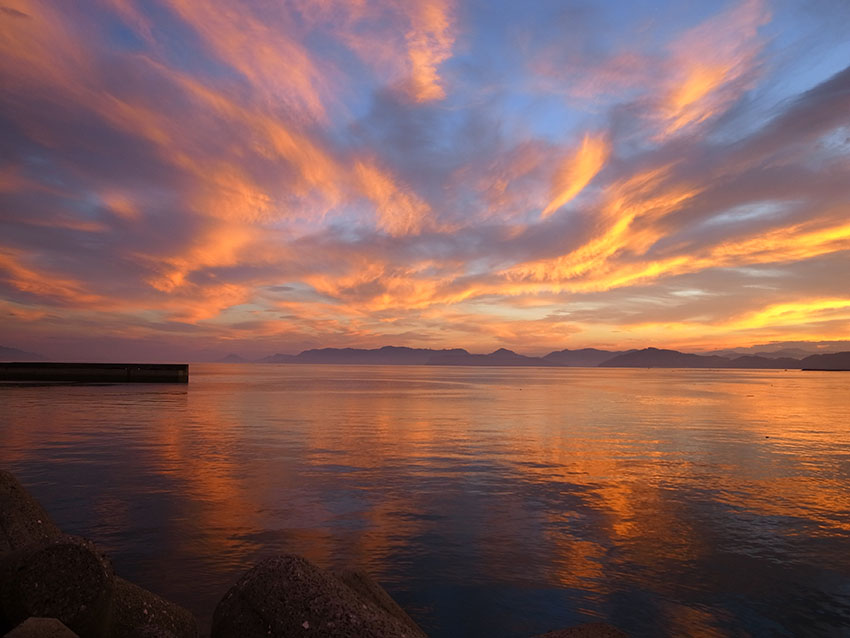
(47, 575)
(363, 585)
(64, 577)
(41, 628)
(23, 520)
(589, 630)
(289, 596)
(138, 613)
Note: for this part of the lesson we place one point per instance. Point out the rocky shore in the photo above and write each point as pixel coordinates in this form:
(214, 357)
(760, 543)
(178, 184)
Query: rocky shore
(53, 585)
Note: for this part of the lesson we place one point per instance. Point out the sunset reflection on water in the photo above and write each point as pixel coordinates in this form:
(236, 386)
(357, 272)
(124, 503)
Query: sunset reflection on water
(490, 502)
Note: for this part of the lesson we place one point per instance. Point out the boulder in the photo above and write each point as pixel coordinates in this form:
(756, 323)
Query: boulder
(41, 628)
(289, 596)
(65, 578)
(372, 592)
(22, 519)
(138, 613)
(587, 630)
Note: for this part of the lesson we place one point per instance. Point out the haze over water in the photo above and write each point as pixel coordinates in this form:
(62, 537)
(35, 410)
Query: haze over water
(489, 501)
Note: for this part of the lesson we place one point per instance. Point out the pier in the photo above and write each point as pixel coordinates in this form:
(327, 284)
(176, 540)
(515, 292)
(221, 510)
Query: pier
(95, 372)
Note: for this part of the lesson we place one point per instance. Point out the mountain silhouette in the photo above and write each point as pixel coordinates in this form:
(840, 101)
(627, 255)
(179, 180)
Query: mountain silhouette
(658, 358)
(388, 355)
(500, 357)
(13, 354)
(585, 357)
(278, 358)
(757, 361)
(833, 361)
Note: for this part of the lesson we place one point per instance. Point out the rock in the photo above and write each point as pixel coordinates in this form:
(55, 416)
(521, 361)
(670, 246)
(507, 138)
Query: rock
(288, 596)
(372, 592)
(138, 613)
(587, 630)
(41, 628)
(22, 519)
(150, 631)
(64, 578)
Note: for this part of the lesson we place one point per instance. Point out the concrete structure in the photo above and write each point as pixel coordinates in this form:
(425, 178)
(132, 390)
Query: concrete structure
(95, 372)
(45, 574)
(41, 628)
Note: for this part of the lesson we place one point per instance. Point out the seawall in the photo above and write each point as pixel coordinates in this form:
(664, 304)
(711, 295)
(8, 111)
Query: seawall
(95, 372)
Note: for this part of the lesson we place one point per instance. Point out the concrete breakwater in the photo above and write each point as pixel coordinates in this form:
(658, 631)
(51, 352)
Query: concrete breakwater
(60, 586)
(95, 372)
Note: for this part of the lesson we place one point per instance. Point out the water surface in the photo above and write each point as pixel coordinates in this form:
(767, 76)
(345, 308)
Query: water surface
(496, 502)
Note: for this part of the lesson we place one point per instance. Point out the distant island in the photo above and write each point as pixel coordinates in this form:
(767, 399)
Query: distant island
(585, 357)
(13, 354)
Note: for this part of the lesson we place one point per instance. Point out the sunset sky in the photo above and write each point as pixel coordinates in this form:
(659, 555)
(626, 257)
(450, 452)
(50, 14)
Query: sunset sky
(182, 178)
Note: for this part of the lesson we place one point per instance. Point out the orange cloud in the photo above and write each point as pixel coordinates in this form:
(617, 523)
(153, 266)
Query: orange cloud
(576, 171)
(317, 173)
(710, 66)
(793, 314)
(686, 103)
(404, 41)
(120, 205)
(645, 197)
(265, 48)
(508, 184)
(371, 285)
(591, 267)
(38, 49)
(429, 44)
(220, 245)
(793, 243)
(399, 212)
(43, 284)
(21, 313)
(802, 320)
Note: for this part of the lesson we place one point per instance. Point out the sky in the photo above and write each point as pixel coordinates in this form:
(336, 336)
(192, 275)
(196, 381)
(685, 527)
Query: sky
(181, 178)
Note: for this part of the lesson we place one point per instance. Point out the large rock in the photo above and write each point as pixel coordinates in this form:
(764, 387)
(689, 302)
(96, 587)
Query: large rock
(289, 596)
(65, 578)
(138, 613)
(41, 628)
(372, 592)
(587, 630)
(22, 519)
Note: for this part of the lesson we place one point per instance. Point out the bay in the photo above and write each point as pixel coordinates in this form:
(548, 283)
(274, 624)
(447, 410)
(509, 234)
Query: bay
(497, 502)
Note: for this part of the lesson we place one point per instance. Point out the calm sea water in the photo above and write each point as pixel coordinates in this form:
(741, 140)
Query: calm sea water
(490, 502)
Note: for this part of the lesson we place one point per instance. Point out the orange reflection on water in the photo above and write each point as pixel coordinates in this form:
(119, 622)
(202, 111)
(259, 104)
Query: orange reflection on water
(653, 496)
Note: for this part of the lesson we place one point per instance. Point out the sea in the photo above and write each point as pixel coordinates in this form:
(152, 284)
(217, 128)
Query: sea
(490, 502)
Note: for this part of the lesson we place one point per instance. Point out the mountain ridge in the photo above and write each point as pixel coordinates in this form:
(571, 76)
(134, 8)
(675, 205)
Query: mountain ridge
(650, 357)
(500, 357)
(585, 357)
(14, 354)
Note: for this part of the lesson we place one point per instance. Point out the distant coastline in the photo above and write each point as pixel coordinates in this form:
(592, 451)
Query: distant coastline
(782, 359)
(585, 357)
